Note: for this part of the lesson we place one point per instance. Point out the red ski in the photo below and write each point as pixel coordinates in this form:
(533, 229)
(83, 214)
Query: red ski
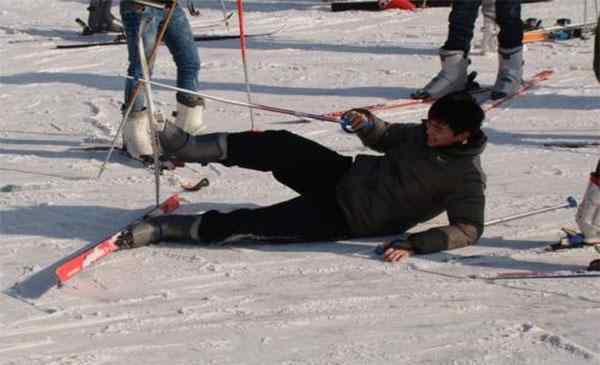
(403, 103)
(80, 260)
(519, 275)
(479, 94)
(528, 84)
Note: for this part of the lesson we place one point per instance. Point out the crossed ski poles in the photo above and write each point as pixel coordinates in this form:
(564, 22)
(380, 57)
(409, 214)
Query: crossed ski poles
(146, 67)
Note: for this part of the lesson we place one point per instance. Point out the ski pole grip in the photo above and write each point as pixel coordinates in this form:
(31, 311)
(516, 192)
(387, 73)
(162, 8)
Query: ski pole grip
(347, 125)
(572, 202)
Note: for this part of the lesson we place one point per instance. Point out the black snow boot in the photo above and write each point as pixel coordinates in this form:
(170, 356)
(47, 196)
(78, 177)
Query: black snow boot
(176, 144)
(161, 228)
(100, 19)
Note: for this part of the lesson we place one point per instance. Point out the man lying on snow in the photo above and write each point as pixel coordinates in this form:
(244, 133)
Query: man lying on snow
(425, 169)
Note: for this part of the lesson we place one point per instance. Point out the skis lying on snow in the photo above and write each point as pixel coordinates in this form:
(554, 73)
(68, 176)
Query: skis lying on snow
(64, 269)
(197, 38)
(481, 94)
(559, 32)
(405, 103)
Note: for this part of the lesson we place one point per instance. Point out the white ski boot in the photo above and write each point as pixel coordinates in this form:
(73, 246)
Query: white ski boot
(137, 136)
(189, 114)
(452, 77)
(510, 72)
(588, 213)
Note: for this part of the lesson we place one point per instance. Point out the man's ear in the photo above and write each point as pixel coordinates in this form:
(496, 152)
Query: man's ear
(463, 137)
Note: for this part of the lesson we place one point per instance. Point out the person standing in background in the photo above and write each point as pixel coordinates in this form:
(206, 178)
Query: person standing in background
(180, 41)
(454, 54)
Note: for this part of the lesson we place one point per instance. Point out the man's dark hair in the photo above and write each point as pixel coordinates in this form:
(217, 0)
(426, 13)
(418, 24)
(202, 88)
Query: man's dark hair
(459, 110)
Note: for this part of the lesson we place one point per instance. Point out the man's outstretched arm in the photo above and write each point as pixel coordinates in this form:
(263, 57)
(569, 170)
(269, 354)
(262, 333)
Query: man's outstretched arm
(376, 133)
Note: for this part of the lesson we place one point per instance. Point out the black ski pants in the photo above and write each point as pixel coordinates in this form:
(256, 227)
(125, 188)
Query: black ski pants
(305, 166)
(462, 24)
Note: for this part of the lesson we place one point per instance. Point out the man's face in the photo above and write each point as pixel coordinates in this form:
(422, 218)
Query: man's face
(440, 135)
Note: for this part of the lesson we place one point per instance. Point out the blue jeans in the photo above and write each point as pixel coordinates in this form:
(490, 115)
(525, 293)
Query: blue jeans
(462, 23)
(178, 38)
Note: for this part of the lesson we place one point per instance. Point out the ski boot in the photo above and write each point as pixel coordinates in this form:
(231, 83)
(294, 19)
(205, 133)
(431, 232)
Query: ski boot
(588, 213)
(137, 136)
(532, 24)
(452, 77)
(100, 19)
(594, 265)
(189, 113)
(179, 145)
(510, 72)
(161, 228)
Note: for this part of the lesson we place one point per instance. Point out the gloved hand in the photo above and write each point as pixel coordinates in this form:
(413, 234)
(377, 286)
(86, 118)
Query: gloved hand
(356, 119)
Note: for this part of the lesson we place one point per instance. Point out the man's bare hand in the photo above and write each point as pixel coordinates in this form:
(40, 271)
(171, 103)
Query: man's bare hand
(392, 254)
(357, 119)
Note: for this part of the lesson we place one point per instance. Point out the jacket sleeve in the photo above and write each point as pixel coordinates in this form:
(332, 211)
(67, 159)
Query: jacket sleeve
(384, 135)
(466, 214)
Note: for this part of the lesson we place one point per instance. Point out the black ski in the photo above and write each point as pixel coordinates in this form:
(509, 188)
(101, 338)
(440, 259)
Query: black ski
(581, 144)
(197, 38)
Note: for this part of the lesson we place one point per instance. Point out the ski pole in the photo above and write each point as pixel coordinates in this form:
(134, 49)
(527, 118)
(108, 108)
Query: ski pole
(273, 109)
(571, 203)
(240, 7)
(151, 109)
(225, 15)
(136, 90)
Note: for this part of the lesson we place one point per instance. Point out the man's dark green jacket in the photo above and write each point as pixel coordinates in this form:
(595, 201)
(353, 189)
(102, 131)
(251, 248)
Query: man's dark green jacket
(412, 183)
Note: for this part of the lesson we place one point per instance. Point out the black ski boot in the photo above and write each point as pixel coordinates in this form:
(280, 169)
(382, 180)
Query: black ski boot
(100, 19)
(161, 228)
(176, 144)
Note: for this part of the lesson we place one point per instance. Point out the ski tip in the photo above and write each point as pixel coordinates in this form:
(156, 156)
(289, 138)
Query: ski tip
(66, 272)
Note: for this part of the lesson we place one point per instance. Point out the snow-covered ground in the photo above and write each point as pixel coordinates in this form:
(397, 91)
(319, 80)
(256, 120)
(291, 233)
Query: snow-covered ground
(324, 303)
